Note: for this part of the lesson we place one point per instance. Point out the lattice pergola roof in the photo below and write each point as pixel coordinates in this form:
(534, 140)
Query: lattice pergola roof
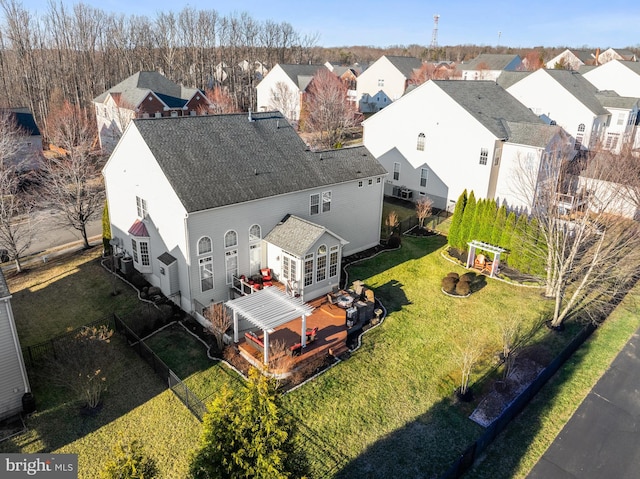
(486, 247)
(269, 308)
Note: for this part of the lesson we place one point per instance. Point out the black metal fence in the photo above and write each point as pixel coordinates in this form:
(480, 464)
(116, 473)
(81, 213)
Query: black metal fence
(179, 388)
(469, 456)
(32, 354)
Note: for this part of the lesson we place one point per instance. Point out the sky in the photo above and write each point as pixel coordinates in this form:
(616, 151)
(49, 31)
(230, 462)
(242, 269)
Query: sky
(517, 24)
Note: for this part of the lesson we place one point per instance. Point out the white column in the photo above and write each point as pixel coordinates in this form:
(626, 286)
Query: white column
(471, 256)
(235, 326)
(303, 337)
(265, 340)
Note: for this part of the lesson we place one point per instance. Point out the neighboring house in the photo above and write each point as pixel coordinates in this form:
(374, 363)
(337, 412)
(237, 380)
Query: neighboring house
(623, 77)
(571, 60)
(349, 76)
(489, 66)
(451, 135)
(29, 153)
(198, 202)
(622, 128)
(143, 95)
(566, 99)
(384, 82)
(283, 88)
(617, 54)
(13, 374)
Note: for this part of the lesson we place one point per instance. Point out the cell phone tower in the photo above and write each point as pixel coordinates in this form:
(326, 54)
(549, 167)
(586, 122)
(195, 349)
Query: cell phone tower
(434, 35)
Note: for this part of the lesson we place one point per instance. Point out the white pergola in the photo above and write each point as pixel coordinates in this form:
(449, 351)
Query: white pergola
(495, 250)
(267, 309)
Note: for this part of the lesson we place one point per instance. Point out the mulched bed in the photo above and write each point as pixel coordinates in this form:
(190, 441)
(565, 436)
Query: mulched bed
(419, 232)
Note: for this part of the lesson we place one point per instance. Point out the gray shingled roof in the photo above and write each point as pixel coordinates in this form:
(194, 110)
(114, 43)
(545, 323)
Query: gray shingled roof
(633, 66)
(489, 103)
(610, 99)
(219, 160)
(509, 78)
(584, 55)
(24, 119)
(531, 134)
(295, 235)
(580, 88)
(301, 74)
(132, 90)
(494, 61)
(405, 65)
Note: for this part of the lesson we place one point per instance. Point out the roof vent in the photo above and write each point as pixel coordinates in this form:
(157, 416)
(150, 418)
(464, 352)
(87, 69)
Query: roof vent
(250, 117)
(277, 124)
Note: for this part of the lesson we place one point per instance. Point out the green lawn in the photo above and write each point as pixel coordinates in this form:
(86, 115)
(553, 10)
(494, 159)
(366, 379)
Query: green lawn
(63, 294)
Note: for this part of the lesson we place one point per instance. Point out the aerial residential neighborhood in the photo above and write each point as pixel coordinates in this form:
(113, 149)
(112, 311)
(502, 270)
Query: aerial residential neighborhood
(305, 261)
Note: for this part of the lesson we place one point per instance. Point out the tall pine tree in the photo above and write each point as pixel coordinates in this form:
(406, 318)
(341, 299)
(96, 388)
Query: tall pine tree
(498, 226)
(506, 238)
(455, 232)
(467, 221)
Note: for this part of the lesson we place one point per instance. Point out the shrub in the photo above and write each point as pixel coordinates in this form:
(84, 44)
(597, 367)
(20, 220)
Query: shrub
(463, 288)
(468, 277)
(130, 462)
(394, 241)
(449, 284)
(453, 275)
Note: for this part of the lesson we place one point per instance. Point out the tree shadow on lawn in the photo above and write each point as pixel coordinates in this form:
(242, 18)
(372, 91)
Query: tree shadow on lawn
(392, 296)
(60, 418)
(422, 448)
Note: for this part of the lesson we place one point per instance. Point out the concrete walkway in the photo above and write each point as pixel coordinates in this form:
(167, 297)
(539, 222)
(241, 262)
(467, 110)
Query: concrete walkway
(602, 438)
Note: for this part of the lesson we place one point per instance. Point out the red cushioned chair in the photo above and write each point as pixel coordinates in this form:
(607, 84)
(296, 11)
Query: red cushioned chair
(266, 277)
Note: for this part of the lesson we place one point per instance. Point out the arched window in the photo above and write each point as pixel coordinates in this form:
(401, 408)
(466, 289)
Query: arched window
(581, 127)
(321, 263)
(204, 245)
(255, 233)
(230, 239)
(420, 145)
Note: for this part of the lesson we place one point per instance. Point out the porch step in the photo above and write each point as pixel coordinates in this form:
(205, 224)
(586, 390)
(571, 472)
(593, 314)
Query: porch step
(338, 350)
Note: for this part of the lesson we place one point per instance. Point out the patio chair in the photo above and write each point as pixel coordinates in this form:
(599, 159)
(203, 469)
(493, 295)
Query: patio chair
(265, 273)
(331, 301)
(311, 334)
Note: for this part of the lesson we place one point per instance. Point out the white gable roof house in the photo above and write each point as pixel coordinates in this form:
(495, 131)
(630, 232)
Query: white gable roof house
(384, 82)
(454, 135)
(623, 118)
(14, 383)
(200, 203)
(571, 59)
(623, 77)
(564, 98)
(488, 66)
(616, 54)
(282, 89)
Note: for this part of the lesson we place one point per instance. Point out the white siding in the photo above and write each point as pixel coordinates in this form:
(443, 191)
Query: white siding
(13, 379)
(265, 89)
(453, 141)
(616, 76)
(394, 83)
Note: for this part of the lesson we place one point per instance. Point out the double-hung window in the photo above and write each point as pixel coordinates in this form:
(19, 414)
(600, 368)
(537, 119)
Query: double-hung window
(484, 156)
(314, 204)
(424, 176)
(326, 201)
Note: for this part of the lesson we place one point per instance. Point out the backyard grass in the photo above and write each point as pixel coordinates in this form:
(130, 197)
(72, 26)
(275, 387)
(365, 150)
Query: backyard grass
(514, 453)
(390, 407)
(63, 294)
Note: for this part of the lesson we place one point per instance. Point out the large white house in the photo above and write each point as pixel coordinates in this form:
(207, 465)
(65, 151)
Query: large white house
(565, 98)
(384, 82)
(199, 202)
(283, 88)
(623, 117)
(450, 135)
(572, 59)
(13, 374)
(623, 77)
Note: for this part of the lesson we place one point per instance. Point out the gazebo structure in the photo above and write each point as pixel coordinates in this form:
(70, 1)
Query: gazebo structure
(483, 265)
(267, 309)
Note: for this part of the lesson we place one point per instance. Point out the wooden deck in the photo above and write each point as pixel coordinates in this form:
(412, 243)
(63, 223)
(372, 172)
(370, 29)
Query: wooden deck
(330, 339)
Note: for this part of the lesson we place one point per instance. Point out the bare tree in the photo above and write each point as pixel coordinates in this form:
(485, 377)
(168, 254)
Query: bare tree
(424, 207)
(71, 183)
(16, 232)
(220, 102)
(284, 99)
(391, 222)
(329, 112)
(591, 253)
(219, 321)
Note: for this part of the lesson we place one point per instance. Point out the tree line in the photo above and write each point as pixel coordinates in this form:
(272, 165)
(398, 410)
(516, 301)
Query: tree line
(76, 52)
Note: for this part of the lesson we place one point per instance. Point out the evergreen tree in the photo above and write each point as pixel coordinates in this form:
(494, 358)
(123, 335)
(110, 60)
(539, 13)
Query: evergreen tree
(453, 237)
(474, 231)
(106, 228)
(467, 221)
(498, 226)
(246, 435)
(520, 244)
(488, 220)
(506, 238)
